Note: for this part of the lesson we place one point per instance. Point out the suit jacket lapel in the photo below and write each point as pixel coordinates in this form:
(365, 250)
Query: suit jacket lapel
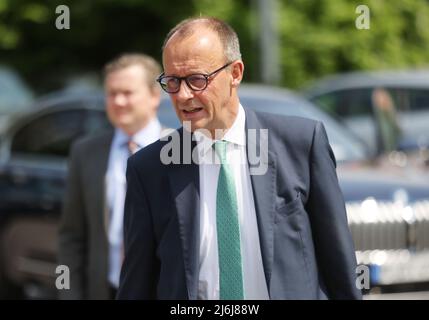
(101, 158)
(263, 192)
(184, 183)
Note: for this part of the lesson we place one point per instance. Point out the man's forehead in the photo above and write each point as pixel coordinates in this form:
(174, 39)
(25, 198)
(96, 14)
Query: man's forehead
(136, 72)
(204, 38)
(195, 47)
(132, 69)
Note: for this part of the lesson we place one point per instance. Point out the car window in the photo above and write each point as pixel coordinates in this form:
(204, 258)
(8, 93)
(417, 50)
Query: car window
(418, 100)
(346, 103)
(50, 134)
(328, 102)
(345, 146)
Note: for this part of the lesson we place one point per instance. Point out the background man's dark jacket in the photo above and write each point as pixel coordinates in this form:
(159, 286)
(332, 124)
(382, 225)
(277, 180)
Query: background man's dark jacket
(83, 243)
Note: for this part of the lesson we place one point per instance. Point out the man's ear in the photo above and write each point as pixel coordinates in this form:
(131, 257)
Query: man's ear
(237, 69)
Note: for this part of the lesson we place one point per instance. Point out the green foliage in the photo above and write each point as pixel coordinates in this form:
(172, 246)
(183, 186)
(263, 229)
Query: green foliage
(99, 30)
(316, 37)
(320, 37)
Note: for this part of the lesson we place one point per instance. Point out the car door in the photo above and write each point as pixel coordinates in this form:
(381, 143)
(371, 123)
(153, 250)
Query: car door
(32, 183)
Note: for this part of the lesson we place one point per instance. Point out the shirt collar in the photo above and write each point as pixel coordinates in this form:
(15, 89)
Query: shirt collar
(235, 134)
(149, 134)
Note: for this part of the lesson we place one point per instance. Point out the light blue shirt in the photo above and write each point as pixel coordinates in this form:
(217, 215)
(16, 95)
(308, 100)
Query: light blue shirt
(116, 190)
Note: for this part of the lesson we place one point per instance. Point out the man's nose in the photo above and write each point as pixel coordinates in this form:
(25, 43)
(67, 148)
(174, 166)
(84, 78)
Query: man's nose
(184, 93)
(119, 99)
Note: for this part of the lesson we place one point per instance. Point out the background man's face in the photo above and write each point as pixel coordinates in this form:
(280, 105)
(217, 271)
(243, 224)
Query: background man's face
(130, 103)
(202, 52)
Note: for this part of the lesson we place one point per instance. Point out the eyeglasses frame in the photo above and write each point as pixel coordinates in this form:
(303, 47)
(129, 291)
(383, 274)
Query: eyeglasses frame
(206, 76)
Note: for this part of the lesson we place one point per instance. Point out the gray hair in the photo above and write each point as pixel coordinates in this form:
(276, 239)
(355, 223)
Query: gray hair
(228, 37)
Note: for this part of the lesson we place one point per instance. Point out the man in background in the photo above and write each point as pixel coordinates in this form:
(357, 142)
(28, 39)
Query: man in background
(91, 235)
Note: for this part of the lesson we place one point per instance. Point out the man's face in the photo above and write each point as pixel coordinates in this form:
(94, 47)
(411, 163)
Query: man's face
(217, 105)
(130, 102)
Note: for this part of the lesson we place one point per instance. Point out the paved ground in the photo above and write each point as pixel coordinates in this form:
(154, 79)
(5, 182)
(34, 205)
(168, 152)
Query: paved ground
(424, 295)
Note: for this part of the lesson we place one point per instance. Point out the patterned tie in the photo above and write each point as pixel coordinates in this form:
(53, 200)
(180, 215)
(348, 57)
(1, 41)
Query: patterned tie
(132, 147)
(228, 231)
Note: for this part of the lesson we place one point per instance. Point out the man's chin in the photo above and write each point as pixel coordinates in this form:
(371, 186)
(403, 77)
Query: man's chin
(191, 125)
(122, 124)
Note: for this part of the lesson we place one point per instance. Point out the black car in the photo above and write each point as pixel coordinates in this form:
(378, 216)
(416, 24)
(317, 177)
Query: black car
(388, 212)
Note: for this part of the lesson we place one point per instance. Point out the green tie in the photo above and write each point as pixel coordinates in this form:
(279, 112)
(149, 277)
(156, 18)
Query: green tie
(228, 231)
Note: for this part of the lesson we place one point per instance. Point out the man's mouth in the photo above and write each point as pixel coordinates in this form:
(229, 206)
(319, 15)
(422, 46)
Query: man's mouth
(192, 110)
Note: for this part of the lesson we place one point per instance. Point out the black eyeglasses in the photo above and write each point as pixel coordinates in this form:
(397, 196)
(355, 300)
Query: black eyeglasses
(195, 82)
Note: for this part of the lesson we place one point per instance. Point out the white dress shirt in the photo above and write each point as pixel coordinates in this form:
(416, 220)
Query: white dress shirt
(254, 282)
(116, 190)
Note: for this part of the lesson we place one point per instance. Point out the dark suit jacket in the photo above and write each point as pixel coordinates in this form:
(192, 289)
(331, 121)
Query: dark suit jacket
(83, 244)
(306, 245)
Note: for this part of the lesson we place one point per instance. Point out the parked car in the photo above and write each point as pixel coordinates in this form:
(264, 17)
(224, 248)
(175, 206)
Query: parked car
(15, 95)
(387, 109)
(388, 211)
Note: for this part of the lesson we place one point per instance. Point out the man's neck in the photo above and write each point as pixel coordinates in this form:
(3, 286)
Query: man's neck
(132, 131)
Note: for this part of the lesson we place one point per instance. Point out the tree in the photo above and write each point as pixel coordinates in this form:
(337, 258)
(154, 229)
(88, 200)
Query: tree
(316, 37)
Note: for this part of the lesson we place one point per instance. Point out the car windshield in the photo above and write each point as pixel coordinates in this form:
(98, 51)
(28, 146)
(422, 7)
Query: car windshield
(346, 147)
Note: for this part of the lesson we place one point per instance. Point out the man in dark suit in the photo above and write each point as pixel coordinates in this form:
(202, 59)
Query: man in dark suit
(232, 228)
(91, 235)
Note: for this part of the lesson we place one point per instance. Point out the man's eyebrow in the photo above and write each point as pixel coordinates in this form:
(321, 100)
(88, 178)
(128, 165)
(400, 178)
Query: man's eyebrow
(190, 72)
